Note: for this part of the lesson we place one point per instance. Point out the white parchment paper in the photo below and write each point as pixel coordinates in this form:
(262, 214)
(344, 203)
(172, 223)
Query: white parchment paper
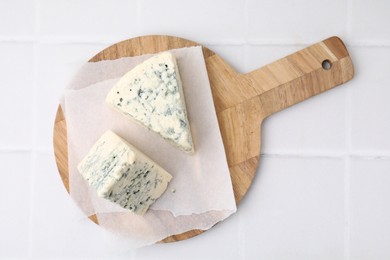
(203, 191)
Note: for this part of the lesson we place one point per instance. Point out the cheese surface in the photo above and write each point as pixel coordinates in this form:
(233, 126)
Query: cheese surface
(122, 174)
(152, 94)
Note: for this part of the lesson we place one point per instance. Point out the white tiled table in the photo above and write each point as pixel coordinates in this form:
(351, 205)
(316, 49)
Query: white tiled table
(323, 184)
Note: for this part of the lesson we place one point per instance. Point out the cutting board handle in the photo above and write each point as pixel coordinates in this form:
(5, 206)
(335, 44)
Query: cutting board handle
(301, 75)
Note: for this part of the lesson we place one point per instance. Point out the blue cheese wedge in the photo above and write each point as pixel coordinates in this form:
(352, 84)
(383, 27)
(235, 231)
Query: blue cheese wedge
(152, 94)
(122, 174)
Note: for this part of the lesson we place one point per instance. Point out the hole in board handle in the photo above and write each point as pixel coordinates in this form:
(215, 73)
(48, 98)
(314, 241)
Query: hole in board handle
(326, 64)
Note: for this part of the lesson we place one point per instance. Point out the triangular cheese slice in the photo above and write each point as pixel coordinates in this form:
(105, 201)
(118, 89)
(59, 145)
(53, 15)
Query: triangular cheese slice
(122, 174)
(152, 94)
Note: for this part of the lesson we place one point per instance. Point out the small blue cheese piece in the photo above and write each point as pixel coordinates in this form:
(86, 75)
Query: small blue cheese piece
(122, 174)
(152, 94)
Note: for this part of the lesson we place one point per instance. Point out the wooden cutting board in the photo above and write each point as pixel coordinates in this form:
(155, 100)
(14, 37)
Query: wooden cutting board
(242, 101)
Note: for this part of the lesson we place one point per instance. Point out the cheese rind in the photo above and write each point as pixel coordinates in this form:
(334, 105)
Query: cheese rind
(152, 94)
(122, 174)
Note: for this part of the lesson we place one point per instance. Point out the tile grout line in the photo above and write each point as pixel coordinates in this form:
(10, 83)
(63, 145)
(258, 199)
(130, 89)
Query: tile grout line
(349, 17)
(288, 42)
(347, 176)
(24, 149)
(31, 201)
(309, 154)
(363, 155)
(33, 155)
(225, 42)
(241, 239)
(246, 46)
(246, 21)
(347, 210)
(348, 143)
(33, 126)
(138, 15)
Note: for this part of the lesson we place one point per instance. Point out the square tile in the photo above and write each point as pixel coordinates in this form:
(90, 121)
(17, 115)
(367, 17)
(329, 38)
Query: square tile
(57, 64)
(370, 21)
(59, 227)
(15, 197)
(370, 94)
(299, 21)
(204, 21)
(16, 66)
(89, 20)
(17, 18)
(370, 209)
(295, 209)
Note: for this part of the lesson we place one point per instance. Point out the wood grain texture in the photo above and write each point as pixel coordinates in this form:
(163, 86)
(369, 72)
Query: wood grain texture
(242, 101)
